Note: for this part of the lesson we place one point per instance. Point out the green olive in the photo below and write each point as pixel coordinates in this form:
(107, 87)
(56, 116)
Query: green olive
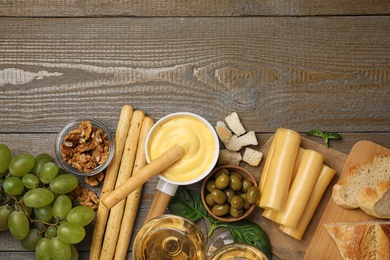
(218, 196)
(253, 194)
(237, 202)
(210, 185)
(229, 194)
(246, 205)
(246, 184)
(235, 183)
(236, 213)
(222, 181)
(209, 200)
(220, 210)
(236, 174)
(221, 172)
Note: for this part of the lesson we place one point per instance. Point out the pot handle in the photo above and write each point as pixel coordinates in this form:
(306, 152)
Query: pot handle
(165, 191)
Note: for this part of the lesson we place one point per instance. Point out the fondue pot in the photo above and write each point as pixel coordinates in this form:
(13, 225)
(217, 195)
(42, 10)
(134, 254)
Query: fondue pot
(201, 154)
(182, 148)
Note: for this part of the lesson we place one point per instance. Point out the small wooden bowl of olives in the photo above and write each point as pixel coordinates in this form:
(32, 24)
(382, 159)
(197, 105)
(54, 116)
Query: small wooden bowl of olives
(229, 193)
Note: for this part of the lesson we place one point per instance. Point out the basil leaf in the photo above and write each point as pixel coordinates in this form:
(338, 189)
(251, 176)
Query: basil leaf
(332, 135)
(316, 132)
(187, 203)
(248, 232)
(324, 135)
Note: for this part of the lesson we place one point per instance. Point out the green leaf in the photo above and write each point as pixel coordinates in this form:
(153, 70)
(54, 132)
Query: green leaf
(316, 132)
(187, 203)
(332, 135)
(324, 135)
(248, 232)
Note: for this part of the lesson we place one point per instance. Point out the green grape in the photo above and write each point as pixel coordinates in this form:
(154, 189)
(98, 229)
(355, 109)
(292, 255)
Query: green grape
(28, 209)
(75, 253)
(39, 225)
(21, 164)
(48, 172)
(51, 232)
(81, 215)
(5, 211)
(30, 181)
(61, 206)
(31, 240)
(42, 250)
(70, 233)
(64, 183)
(44, 213)
(18, 225)
(40, 160)
(59, 250)
(13, 186)
(38, 197)
(5, 158)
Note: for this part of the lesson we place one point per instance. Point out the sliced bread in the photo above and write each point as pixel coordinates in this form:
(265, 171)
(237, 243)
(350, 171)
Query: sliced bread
(360, 177)
(361, 240)
(376, 201)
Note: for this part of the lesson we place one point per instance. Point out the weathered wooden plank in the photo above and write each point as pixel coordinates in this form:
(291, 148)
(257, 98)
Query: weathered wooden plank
(191, 8)
(332, 72)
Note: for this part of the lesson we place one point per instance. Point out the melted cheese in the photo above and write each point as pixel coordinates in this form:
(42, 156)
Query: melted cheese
(196, 139)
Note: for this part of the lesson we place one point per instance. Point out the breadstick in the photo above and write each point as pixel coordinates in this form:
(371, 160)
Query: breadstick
(110, 179)
(159, 164)
(134, 198)
(125, 171)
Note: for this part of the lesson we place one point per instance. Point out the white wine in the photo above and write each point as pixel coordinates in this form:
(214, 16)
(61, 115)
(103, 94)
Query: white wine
(169, 237)
(238, 251)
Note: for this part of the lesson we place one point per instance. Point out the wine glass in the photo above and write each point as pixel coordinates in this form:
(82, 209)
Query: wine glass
(169, 237)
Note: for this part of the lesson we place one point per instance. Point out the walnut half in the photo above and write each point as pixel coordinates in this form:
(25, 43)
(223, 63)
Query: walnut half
(94, 180)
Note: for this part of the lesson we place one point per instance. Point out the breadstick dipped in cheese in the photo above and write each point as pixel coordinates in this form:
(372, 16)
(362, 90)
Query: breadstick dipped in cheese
(280, 169)
(125, 171)
(109, 180)
(325, 177)
(134, 198)
(173, 154)
(299, 194)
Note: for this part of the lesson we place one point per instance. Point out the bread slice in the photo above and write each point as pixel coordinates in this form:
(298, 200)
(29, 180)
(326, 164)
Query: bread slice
(376, 201)
(361, 240)
(360, 177)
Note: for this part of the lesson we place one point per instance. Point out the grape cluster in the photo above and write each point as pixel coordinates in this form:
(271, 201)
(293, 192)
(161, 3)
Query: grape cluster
(35, 207)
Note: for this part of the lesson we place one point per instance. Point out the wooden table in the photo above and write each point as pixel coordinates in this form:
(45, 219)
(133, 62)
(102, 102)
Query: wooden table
(297, 64)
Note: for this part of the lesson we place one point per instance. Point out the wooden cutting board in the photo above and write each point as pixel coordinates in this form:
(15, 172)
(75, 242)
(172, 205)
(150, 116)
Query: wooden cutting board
(284, 246)
(322, 246)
